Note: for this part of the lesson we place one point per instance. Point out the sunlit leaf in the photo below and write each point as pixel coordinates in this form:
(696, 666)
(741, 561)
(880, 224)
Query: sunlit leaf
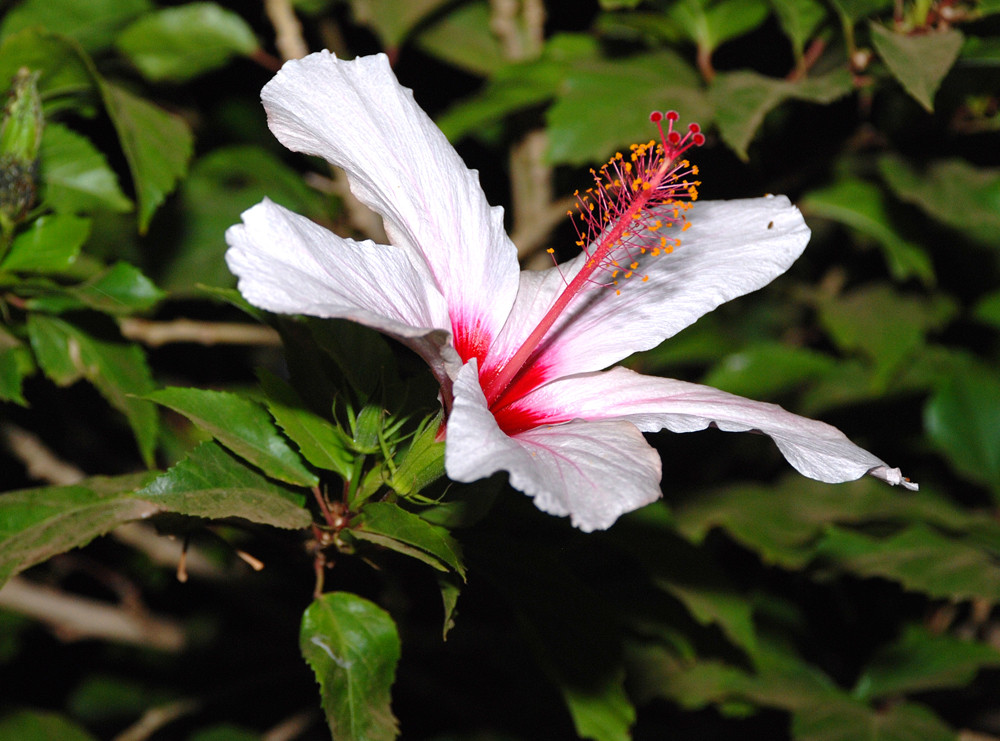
(918, 61)
(241, 425)
(76, 175)
(185, 41)
(50, 245)
(352, 647)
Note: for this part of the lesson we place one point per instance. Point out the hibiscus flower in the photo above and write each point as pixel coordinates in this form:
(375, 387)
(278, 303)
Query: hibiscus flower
(521, 355)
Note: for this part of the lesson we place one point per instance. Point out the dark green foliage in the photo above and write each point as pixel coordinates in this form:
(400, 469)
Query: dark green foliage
(750, 603)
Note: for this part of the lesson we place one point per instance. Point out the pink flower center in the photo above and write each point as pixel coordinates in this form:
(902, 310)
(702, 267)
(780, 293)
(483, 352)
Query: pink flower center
(620, 222)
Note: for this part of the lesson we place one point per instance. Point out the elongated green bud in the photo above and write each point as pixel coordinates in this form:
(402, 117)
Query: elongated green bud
(20, 139)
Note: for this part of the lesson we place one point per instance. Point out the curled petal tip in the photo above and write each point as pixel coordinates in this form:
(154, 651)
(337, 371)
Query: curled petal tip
(895, 477)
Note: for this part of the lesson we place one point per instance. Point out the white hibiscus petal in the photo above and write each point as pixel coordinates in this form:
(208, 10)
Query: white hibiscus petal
(356, 115)
(731, 248)
(593, 472)
(288, 264)
(815, 449)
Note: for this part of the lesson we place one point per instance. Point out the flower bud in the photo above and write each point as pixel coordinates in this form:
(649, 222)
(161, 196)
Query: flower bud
(20, 140)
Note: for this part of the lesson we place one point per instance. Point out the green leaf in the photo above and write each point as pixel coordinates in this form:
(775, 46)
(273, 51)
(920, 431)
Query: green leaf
(861, 205)
(422, 463)
(221, 185)
(855, 10)
(462, 37)
(844, 721)
(688, 573)
(919, 558)
(50, 245)
(186, 41)
(77, 177)
(119, 371)
(987, 309)
(602, 712)
(767, 369)
(35, 725)
(799, 19)
(515, 87)
(451, 588)
(157, 146)
(242, 426)
(121, 289)
(391, 526)
(783, 523)
(16, 364)
(321, 442)
(918, 61)
(211, 483)
(393, 20)
(884, 324)
(592, 115)
(36, 524)
(64, 66)
(93, 24)
(743, 98)
(709, 24)
(963, 196)
(920, 661)
(352, 647)
(962, 418)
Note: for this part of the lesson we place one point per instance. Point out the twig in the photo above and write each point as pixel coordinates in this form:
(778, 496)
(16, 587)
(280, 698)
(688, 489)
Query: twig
(288, 31)
(155, 334)
(520, 27)
(72, 617)
(155, 718)
(291, 727)
(39, 462)
(531, 236)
